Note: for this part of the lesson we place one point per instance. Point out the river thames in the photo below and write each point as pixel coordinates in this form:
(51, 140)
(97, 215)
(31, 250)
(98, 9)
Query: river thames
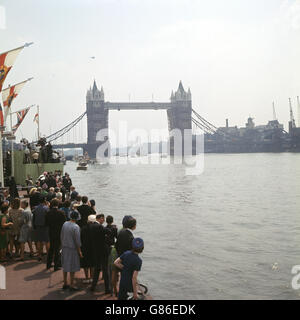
(232, 232)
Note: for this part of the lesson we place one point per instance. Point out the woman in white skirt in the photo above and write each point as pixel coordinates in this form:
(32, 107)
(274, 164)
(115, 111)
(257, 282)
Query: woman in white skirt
(71, 252)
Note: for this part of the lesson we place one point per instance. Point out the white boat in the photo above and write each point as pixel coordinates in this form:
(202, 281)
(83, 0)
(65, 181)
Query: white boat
(82, 165)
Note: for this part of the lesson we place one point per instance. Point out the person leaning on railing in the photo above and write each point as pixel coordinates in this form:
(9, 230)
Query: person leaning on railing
(130, 264)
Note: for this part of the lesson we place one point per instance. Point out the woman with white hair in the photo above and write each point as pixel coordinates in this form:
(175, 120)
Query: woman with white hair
(87, 261)
(59, 196)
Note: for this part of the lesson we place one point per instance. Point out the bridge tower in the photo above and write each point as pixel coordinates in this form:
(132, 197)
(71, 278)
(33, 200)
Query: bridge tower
(180, 114)
(97, 117)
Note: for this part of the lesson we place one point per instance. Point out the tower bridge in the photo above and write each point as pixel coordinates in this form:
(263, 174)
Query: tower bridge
(179, 114)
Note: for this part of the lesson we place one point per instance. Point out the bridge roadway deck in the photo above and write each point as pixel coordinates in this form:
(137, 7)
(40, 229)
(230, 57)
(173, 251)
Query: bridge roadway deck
(137, 105)
(69, 145)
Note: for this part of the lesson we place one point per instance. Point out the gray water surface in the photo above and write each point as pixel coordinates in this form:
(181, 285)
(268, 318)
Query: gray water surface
(212, 236)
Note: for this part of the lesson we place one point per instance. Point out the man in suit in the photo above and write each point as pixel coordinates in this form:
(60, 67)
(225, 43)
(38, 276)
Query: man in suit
(51, 181)
(100, 251)
(85, 210)
(67, 182)
(73, 193)
(55, 219)
(125, 236)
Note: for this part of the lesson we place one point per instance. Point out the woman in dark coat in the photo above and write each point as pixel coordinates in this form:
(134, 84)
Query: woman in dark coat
(13, 190)
(34, 197)
(86, 248)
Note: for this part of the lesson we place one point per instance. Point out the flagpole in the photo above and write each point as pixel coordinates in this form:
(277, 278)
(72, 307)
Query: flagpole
(14, 85)
(25, 45)
(12, 150)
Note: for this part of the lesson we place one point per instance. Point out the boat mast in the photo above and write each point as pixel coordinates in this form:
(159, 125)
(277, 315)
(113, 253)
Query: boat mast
(38, 122)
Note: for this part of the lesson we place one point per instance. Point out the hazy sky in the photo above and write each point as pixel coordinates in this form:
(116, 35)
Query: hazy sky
(237, 56)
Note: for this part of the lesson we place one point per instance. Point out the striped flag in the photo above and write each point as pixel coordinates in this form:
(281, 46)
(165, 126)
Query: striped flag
(7, 60)
(20, 117)
(9, 94)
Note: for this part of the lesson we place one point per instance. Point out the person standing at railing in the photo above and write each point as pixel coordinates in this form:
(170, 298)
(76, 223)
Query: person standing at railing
(130, 263)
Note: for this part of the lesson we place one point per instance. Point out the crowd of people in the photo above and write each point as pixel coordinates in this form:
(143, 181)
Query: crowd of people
(41, 152)
(55, 220)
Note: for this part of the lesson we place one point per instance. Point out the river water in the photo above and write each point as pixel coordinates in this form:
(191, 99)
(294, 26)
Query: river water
(232, 232)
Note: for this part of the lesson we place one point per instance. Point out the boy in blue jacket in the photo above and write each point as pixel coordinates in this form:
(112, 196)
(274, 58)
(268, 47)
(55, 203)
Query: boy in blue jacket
(130, 264)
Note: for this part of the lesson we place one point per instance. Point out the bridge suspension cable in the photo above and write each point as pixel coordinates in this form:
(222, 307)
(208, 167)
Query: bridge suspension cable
(205, 125)
(202, 126)
(64, 130)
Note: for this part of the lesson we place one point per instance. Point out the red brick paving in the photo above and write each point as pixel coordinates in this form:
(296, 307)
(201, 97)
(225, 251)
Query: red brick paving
(29, 280)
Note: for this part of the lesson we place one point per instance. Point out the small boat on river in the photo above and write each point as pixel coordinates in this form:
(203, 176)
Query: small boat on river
(82, 165)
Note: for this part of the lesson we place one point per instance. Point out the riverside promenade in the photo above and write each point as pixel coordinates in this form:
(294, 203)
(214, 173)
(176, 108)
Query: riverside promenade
(30, 280)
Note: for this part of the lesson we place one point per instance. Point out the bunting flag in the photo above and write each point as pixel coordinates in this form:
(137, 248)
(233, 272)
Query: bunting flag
(20, 117)
(7, 60)
(9, 94)
(36, 118)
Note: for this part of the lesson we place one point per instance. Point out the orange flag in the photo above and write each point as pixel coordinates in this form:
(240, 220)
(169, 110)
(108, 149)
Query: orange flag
(7, 60)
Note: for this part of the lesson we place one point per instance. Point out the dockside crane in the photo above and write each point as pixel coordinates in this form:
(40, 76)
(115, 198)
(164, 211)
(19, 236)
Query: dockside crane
(298, 101)
(292, 119)
(274, 112)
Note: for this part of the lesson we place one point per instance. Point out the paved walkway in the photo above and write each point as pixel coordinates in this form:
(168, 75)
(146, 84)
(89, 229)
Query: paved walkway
(30, 280)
